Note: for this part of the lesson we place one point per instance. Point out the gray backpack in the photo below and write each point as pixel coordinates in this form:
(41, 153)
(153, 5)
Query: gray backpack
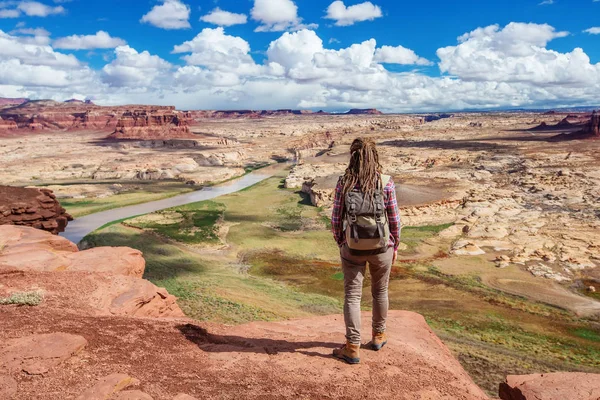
(366, 226)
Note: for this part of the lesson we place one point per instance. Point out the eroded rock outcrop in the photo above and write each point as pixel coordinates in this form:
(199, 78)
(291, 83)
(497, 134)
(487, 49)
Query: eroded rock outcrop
(151, 124)
(593, 126)
(553, 386)
(37, 208)
(100, 281)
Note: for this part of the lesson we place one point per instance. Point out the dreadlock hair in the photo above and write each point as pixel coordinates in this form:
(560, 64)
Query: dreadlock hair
(364, 168)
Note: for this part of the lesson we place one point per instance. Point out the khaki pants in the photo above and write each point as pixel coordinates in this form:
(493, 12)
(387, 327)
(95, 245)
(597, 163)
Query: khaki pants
(354, 268)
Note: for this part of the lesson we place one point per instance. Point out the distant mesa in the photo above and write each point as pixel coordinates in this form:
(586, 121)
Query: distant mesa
(574, 126)
(79, 101)
(152, 124)
(437, 117)
(12, 102)
(365, 111)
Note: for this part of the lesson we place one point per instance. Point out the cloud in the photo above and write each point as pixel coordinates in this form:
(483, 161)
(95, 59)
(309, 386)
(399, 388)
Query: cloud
(489, 67)
(31, 31)
(345, 16)
(37, 65)
(546, 3)
(277, 16)
(594, 30)
(10, 13)
(399, 55)
(133, 69)
(172, 14)
(224, 18)
(101, 40)
(516, 53)
(36, 9)
(14, 9)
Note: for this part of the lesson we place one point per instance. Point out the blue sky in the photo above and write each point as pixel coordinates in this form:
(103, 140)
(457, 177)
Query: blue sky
(531, 64)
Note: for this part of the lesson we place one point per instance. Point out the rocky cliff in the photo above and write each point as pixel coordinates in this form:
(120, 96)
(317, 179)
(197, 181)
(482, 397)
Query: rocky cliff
(37, 208)
(151, 124)
(129, 120)
(593, 126)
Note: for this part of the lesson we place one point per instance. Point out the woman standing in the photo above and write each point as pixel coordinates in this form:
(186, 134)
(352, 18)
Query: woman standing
(366, 227)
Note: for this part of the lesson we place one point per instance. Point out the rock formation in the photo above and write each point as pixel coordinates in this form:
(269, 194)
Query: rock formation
(131, 120)
(366, 111)
(100, 281)
(153, 124)
(593, 126)
(553, 386)
(12, 102)
(37, 208)
(7, 125)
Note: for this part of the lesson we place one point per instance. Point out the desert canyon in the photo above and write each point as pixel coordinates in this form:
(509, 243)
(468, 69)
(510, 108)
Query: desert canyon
(232, 297)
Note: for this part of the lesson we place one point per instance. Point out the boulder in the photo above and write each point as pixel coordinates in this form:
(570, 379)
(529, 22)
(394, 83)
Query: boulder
(99, 281)
(466, 248)
(25, 250)
(37, 208)
(552, 386)
(37, 354)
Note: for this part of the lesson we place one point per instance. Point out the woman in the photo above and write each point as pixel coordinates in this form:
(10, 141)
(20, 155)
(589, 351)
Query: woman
(366, 227)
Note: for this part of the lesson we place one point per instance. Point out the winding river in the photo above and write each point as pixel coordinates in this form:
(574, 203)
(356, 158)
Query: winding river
(78, 229)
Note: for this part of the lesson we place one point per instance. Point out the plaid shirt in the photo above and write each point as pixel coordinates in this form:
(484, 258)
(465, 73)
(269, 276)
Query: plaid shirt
(393, 213)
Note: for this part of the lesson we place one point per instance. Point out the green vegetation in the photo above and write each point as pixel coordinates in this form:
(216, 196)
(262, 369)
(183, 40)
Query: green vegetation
(191, 224)
(413, 236)
(33, 298)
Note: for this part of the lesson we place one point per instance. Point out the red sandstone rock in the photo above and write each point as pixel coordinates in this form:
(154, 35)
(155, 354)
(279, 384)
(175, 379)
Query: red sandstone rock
(552, 386)
(37, 354)
(24, 251)
(7, 125)
(37, 208)
(149, 125)
(108, 386)
(99, 281)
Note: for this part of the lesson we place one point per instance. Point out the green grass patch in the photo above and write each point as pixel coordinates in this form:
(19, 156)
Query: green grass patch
(412, 236)
(33, 298)
(194, 223)
(587, 334)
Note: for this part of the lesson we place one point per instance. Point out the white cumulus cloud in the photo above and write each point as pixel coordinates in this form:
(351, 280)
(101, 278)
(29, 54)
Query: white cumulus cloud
(399, 55)
(224, 18)
(277, 16)
(345, 16)
(594, 30)
(494, 66)
(171, 14)
(101, 40)
(517, 53)
(133, 69)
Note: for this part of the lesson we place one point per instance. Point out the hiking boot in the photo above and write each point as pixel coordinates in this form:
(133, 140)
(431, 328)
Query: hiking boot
(349, 353)
(379, 340)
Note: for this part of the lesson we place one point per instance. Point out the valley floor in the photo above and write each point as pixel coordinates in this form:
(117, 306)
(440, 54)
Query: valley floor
(266, 254)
